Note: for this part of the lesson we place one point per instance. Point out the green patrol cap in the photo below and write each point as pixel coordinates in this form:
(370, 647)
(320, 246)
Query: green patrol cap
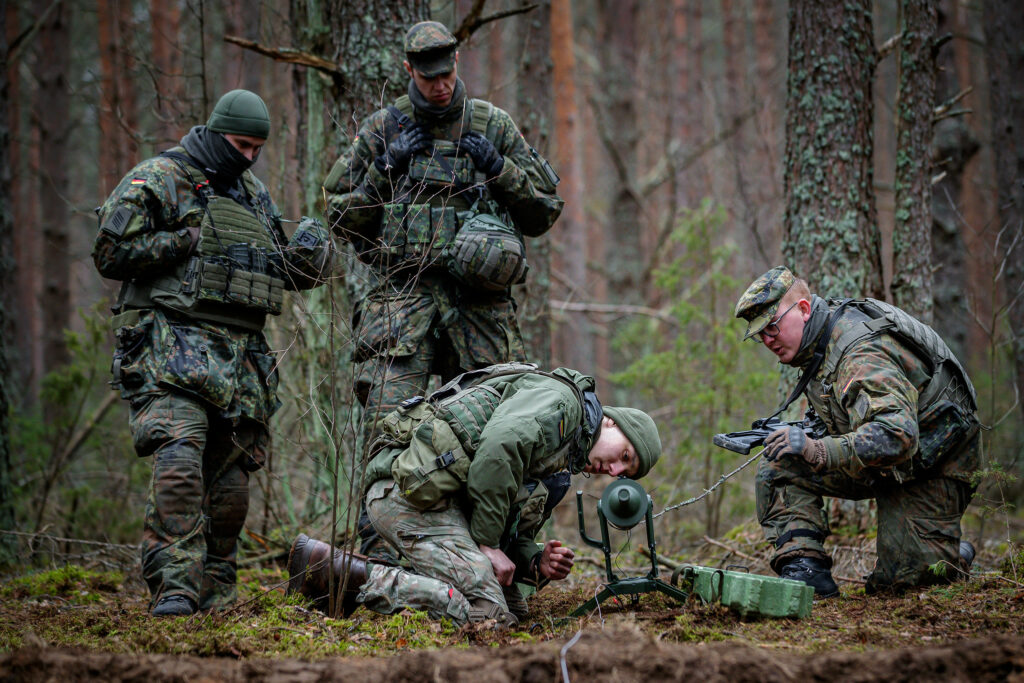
(240, 112)
(430, 48)
(641, 431)
(760, 302)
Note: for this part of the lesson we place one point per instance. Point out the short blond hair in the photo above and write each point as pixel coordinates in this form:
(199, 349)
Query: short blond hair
(799, 290)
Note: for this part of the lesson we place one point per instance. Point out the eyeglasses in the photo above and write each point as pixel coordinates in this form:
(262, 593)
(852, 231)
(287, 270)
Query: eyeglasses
(772, 328)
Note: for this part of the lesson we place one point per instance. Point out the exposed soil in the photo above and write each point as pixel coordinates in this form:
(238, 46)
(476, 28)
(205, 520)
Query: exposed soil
(597, 656)
(93, 628)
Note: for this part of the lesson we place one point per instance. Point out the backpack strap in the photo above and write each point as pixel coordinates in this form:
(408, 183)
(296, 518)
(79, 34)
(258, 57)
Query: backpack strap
(480, 116)
(812, 367)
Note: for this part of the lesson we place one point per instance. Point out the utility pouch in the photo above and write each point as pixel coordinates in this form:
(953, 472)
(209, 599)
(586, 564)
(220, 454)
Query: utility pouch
(943, 431)
(432, 467)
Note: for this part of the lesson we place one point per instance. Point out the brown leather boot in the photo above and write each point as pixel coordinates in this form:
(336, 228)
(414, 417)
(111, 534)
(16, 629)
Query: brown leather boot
(309, 572)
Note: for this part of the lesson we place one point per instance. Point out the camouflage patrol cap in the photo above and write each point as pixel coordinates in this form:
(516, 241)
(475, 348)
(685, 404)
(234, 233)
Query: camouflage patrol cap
(430, 48)
(240, 112)
(760, 302)
(641, 431)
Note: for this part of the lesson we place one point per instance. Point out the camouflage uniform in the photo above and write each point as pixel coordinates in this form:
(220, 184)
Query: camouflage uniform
(201, 385)
(893, 435)
(531, 437)
(420, 320)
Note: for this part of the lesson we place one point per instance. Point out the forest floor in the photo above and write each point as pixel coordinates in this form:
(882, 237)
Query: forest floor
(76, 624)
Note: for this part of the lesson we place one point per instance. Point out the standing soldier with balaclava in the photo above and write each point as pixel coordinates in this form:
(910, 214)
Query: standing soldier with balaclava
(198, 244)
(436, 193)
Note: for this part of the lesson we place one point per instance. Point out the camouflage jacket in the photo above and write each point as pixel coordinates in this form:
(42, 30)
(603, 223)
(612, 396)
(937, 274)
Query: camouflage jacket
(524, 441)
(357, 191)
(869, 405)
(228, 367)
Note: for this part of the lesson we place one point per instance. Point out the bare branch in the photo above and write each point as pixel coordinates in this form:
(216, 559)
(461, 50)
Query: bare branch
(473, 20)
(612, 309)
(289, 55)
(888, 46)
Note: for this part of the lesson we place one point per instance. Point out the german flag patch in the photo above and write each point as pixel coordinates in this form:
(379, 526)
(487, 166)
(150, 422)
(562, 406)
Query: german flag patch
(138, 181)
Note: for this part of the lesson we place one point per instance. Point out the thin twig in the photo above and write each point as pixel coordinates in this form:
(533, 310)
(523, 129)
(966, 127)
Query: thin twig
(711, 541)
(289, 55)
(720, 481)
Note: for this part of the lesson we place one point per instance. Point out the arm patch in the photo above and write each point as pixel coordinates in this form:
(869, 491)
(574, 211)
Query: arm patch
(118, 221)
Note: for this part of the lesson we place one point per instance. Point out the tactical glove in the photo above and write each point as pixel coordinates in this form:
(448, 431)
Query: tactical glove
(395, 159)
(483, 153)
(792, 441)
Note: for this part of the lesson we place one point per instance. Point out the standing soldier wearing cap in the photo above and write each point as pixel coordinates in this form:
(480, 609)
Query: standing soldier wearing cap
(436, 194)
(899, 417)
(461, 483)
(197, 242)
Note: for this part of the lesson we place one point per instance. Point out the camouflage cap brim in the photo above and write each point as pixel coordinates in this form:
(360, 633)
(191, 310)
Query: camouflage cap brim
(433, 63)
(759, 303)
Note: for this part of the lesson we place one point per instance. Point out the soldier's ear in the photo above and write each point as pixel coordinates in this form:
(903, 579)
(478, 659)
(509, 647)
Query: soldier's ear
(805, 308)
(408, 67)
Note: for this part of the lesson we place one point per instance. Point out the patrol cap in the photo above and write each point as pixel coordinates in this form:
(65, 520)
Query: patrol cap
(641, 431)
(430, 48)
(240, 112)
(760, 302)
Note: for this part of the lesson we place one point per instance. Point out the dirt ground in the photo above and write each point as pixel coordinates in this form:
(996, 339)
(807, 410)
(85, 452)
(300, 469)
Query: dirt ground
(597, 656)
(81, 626)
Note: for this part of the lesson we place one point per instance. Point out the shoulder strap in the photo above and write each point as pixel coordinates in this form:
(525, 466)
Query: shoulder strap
(812, 367)
(480, 116)
(404, 105)
(187, 165)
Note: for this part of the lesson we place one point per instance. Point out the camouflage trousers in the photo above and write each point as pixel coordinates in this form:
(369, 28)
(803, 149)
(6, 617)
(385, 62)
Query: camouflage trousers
(198, 496)
(448, 571)
(918, 520)
(408, 331)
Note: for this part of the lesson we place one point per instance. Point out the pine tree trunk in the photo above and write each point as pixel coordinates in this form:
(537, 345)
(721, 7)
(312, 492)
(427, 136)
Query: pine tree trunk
(569, 241)
(7, 545)
(534, 110)
(1004, 26)
(831, 236)
(912, 231)
(54, 125)
(165, 24)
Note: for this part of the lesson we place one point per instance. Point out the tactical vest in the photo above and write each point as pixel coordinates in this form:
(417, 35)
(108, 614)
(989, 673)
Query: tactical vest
(436, 193)
(946, 405)
(451, 420)
(235, 275)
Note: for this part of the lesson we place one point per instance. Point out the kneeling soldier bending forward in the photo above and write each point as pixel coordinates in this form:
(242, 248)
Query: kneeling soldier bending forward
(461, 482)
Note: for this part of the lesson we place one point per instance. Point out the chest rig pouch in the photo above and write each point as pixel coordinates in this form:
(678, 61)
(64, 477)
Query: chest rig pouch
(434, 197)
(233, 278)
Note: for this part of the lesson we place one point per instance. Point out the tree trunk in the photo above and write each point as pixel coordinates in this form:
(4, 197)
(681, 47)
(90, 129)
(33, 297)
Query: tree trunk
(569, 243)
(912, 230)
(54, 124)
(165, 23)
(7, 545)
(1004, 26)
(953, 145)
(534, 108)
(831, 237)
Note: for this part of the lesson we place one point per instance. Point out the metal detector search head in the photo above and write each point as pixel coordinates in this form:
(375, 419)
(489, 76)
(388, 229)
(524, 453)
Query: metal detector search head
(624, 503)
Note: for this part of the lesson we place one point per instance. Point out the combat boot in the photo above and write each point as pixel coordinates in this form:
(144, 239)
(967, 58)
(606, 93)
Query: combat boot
(814, 572)
(515, 601)
(174, 606)
(967, 554)
(482, 609)
(309, 574)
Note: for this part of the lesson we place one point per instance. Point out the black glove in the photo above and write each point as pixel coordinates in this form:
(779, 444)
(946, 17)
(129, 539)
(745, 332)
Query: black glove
(482, 151)
(395, 158)
(792, 441)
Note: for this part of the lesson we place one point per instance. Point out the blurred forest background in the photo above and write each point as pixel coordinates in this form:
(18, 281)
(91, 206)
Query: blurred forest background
(875, 147)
